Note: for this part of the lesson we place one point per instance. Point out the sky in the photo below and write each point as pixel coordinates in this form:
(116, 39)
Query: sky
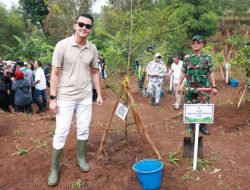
(96, 7)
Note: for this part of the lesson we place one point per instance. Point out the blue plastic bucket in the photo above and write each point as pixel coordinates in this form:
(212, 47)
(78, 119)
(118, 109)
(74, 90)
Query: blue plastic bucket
(234, 83)
(149, 173)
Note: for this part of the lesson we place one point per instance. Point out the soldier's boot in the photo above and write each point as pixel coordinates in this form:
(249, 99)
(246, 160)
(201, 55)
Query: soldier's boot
(81, 155)
(56, 157)
(204, 129)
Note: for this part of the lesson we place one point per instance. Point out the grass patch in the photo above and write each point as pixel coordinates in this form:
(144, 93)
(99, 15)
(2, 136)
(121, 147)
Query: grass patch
(77, 184)
(21, 151)
(18, 132)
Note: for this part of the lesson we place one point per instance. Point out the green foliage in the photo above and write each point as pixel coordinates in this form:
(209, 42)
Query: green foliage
(11, 24)
(41, 144)
(18, 132)
(186, 177)
(236, 40)
(172, 157)
(31, 48)
(35, 11)
(52, 132)
(21, 151)
(202, 164)
(78, 184)
(242, 58)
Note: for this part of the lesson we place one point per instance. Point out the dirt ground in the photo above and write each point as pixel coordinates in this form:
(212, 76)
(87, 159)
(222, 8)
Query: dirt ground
(226, 149)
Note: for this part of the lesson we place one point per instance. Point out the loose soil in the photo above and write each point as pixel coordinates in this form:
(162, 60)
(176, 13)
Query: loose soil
(226, 149)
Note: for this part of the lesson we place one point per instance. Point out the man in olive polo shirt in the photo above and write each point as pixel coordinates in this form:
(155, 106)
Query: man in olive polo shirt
(74, 65)
(199, 72)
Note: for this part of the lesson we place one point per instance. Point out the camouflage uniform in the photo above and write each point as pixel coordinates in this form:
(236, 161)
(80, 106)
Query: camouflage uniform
(197, 70)
(155, 82)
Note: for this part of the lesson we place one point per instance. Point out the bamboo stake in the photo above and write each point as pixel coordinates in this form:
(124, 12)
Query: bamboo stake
(141, 126)
(239, 92)
(146, 135)
(222, 74)
(107, 129)
(241, 98)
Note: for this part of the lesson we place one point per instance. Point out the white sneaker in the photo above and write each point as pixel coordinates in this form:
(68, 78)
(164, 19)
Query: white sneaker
(174, 104)
(177, 107)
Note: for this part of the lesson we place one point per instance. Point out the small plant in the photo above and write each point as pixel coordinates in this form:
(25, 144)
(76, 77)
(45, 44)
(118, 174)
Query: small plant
(21, 151)
(188, 132)
(186, 177)
(202, 164)
(52, 132)
(18, 132)
(172, 157)
(41, 144)
(77, 184)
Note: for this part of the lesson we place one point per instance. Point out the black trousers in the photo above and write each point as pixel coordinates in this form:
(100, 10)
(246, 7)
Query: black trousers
(5, 100)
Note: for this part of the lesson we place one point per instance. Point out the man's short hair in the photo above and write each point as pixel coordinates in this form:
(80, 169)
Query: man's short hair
(20, 63)
(86, 15)
(39, 63)
(176, 56)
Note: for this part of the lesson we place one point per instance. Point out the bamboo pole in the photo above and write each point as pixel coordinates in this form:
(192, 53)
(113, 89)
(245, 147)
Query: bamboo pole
(241, 98)
(101, 149)
(142, 128)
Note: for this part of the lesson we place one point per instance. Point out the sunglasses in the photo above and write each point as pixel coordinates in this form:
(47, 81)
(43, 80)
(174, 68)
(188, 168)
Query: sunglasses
(87, 26)
(159, 57)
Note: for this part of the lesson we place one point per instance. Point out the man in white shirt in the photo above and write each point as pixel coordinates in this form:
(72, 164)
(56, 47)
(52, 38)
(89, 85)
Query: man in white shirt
(176, 71)
(40, 87)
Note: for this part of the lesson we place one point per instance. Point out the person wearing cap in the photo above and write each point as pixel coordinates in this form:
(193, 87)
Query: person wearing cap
(199, 72)
(156, 71)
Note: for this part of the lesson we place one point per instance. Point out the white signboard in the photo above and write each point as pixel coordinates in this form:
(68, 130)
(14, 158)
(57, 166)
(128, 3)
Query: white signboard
(198, 113)
(121, 111)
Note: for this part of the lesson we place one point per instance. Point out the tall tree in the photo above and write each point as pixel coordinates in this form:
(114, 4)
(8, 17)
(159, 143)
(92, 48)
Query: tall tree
(59, 22)
(35, 11)
(11, 24)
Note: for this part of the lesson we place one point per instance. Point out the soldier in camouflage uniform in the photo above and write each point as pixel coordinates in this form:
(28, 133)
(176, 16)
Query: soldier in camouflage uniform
(199, 72)
(156, 71)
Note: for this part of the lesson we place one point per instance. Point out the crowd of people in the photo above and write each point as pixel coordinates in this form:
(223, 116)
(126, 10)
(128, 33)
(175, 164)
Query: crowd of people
(23, 84)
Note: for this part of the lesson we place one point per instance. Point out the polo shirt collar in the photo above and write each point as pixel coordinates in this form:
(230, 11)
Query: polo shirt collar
(74, 44)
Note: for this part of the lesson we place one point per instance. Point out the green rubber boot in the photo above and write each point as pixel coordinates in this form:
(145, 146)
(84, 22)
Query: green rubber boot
(81, 155)
(56, 157)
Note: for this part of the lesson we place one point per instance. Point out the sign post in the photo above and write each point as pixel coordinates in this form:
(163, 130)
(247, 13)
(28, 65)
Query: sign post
(197, 114)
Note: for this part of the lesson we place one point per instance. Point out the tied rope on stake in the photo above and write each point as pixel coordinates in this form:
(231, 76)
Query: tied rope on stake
(140, 127)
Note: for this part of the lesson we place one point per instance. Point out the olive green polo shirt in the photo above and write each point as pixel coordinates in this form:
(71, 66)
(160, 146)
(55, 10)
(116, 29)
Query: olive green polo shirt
(75, 63)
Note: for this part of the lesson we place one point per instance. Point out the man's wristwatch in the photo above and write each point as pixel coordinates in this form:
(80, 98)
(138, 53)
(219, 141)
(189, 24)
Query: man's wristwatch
(52, 97)
(214, 87)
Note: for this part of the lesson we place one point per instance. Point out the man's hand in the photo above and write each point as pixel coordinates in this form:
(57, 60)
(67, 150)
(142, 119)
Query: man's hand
(214, 91)
(53, 106)
(99, 100)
